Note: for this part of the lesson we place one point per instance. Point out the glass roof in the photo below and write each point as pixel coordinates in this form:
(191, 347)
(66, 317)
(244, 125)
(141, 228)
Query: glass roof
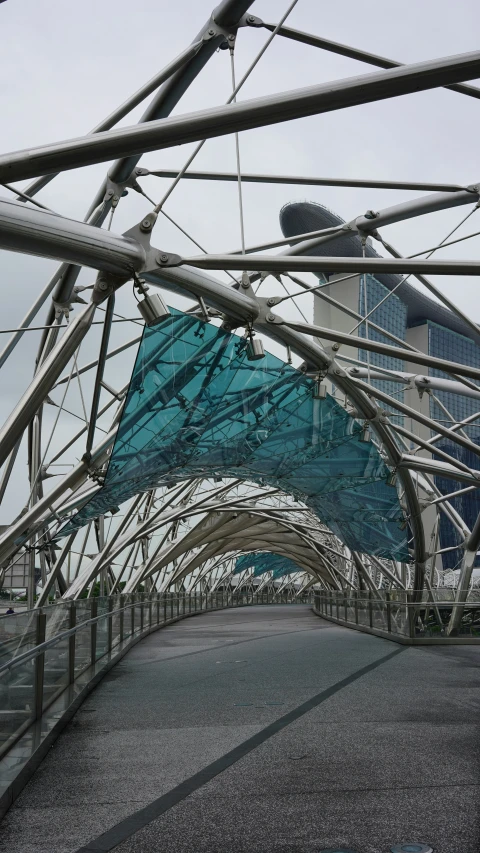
(198, 407)
(264, 562)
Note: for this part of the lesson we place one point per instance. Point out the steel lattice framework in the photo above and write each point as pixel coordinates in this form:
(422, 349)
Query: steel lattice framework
(190, 533)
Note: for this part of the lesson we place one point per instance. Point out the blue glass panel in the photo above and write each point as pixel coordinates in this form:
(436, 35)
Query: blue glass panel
(197, 407)
(263, 562)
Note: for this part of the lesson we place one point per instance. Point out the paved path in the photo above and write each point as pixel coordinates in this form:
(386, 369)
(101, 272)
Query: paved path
(263, 729)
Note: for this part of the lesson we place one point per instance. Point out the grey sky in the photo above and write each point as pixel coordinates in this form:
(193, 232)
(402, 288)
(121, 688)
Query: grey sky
(67, 65)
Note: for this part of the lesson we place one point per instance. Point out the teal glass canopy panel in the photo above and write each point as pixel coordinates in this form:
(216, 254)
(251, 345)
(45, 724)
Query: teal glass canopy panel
(197, 407)
(263, 562)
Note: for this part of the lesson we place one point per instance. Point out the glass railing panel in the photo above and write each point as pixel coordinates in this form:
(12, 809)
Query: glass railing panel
(83, 653)
(364, 612)
(17, 702)
(18, 634)
(101, 645)
(56, 659)
(399, 617)
(379, 615)
(351, 610)
(115, 621)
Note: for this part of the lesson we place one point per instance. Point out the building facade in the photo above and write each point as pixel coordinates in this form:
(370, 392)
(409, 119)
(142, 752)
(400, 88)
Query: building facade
(397, 313)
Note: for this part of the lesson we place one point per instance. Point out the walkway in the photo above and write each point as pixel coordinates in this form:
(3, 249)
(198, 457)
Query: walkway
(263, 729)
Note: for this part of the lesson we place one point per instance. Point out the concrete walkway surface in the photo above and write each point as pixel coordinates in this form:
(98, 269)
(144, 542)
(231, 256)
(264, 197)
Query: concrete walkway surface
(264, 730)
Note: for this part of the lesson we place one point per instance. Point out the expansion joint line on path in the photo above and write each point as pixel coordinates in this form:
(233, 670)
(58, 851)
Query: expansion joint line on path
(141, 818)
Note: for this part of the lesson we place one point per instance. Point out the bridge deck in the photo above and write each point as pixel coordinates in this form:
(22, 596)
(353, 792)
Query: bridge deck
(263, 729)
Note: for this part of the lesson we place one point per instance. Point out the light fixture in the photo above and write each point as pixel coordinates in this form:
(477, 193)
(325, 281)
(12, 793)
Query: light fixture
(412, 848)
(153, 309)
(365, 434)
(392, 478)
(319, 390)
(255, 350)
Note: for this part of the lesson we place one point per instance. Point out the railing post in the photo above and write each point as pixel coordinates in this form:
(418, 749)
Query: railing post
(150, 609)
(345, 605)
(109, 625)
(337, 605)
(142, 599)
(164, 606)
(389, 612)
(39, 664)
(356, 606)
(93, 631)
(132, 614)
(370, 608)
(411, 613)
(158, 608)
(122, 616)
(171, 604)
(72, 619)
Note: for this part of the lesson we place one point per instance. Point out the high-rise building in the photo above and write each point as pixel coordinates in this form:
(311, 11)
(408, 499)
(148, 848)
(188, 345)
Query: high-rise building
(392, 305)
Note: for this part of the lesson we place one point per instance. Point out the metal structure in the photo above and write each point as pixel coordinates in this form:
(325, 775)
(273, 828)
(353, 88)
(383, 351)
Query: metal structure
(184, 529)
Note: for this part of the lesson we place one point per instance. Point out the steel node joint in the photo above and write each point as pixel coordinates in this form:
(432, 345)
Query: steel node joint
(105, 285)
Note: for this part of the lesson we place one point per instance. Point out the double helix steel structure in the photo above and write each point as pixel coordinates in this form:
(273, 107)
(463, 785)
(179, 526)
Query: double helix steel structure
(208, 462)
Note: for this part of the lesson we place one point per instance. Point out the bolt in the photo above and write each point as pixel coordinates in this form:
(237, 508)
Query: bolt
(211, 32)
(227, 327)
(335, 347)
(162, 259)
(337, 371)
(270, 318)
(231, 37)
(102, 285)
(271, 302)
(251, 19)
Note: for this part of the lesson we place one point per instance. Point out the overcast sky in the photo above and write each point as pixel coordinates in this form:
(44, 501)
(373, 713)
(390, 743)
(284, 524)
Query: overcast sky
(67, 65)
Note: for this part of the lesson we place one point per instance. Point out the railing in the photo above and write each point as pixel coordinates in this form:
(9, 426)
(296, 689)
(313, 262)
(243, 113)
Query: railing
(395, 612)
(44, 651)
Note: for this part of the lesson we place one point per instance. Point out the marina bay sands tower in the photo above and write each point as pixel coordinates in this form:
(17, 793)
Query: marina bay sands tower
(398, 313)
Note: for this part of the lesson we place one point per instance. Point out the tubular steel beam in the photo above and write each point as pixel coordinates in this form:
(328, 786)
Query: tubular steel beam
(127, 106)
(301, 180)
(439, 469)
(351, 52)
(376, 346)
(43, 381)
(287, 263)
(423, 383)
(235, 117)
(465, 577)
(37, 232)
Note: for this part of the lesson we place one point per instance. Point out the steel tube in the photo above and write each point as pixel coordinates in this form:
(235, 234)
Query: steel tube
(43, 381)
(301, 180)
(384, 349)
(128, 105)
(43, 511)
(351, 52)
(438, 469)
(38, 232)
(187, 281)
(287, 263)
(235, 117)
(422, 382)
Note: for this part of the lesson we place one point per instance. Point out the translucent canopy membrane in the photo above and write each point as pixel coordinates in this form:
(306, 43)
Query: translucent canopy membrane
(197, 407)
(266, 562)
